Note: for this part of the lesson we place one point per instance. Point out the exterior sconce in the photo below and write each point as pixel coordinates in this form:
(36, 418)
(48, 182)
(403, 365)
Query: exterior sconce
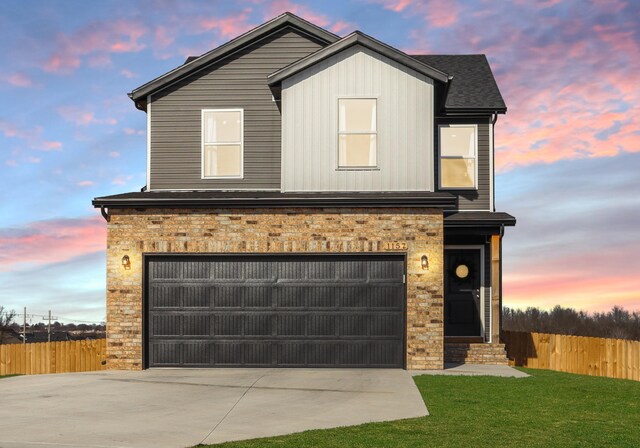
(424, 262)
(126, 262)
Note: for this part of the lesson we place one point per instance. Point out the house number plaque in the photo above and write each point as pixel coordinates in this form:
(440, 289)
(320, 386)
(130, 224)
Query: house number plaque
(394, 245)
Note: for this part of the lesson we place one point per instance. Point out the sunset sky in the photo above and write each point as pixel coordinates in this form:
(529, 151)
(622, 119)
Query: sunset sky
(568, 150)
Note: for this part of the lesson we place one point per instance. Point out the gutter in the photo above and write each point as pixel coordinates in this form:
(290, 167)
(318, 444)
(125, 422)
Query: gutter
(105, 213)
(445, 202)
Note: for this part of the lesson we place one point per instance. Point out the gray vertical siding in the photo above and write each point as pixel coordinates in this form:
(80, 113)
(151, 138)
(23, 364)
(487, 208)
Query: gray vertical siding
(236, 82)
(404, 124)
(479, 199)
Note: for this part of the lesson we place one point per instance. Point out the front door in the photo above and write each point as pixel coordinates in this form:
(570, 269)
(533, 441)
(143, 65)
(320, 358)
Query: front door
(462, 292)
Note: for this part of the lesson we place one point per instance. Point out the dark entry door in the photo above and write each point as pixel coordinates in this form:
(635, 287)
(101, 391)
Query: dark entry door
(462, 292)
(265, 311)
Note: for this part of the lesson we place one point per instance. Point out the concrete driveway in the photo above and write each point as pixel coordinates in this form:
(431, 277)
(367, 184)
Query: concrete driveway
(184, 407)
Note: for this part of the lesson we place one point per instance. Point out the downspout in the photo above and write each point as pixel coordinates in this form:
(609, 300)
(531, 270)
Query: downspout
(494, 120)
(445, 93)
(105, 213)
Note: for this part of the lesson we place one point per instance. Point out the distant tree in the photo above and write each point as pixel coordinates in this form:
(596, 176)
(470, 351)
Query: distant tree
(6, 321)
(617, 323)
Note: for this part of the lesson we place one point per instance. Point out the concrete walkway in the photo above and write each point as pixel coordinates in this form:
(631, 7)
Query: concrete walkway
(473, 370)
(183, 407)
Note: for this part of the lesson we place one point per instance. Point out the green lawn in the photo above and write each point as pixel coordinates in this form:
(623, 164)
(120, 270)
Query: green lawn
(7, 376)
(549, 409)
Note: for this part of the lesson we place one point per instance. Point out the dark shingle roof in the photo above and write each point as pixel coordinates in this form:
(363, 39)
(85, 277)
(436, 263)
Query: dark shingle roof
(473, 85)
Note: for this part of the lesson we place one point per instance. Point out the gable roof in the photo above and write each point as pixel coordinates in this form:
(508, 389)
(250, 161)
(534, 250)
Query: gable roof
(357, 38)
(284, 20)
(473, 87)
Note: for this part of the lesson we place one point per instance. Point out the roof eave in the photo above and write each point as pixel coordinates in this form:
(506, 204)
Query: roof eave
(442, 201)
(357, 38)
(286, 19)
(475, 110)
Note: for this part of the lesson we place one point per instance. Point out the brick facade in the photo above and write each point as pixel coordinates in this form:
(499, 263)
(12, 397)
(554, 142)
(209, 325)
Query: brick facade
(134, 233)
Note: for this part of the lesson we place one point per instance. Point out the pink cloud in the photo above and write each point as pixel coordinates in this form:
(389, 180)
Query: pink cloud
(571, 96)
(608, 279)
(438, 13)
(397, 5)
(81, 116)
(34, 159)
(97, 41)
(114, 154)
(341, 26)
(10, 162)
(227, 27)
(51, 241)
(163, 36)
(85, 183)
(20, 80)
(121, 180)
(32, 137)
(131, 131)
(127, 73)
(278, 7)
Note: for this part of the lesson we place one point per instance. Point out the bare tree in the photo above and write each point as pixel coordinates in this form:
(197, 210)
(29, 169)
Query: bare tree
(6, 320)
(617, 323)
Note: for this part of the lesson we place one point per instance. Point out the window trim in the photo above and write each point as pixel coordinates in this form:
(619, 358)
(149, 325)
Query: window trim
(202, 143)
(475, 157)
(375, 167)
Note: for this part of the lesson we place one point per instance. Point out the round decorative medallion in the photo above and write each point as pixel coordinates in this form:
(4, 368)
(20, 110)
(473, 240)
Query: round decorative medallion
(462, 271)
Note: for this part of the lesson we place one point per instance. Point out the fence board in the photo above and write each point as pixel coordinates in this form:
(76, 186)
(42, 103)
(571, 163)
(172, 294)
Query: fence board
(613, 358)
(52, 357)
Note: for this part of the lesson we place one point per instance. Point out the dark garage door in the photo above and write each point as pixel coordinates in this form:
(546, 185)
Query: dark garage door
(263, 311)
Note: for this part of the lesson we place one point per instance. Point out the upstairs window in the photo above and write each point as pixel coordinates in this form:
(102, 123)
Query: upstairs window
(357, 133)
(458, 156)
(222, 143)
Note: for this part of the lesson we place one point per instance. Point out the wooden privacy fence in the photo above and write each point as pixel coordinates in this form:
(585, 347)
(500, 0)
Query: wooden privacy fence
(614, 358)
(53, 357)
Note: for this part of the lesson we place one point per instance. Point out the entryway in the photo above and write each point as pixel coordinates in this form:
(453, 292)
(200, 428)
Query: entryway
(463, 301)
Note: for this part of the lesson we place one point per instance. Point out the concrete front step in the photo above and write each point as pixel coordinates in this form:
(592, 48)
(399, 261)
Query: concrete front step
(475, 353)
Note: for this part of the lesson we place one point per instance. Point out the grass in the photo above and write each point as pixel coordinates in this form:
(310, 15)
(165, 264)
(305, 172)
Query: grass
(549, 409)
(8, 376)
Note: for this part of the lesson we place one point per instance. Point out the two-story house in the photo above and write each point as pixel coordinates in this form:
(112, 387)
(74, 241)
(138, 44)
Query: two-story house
(313, 201)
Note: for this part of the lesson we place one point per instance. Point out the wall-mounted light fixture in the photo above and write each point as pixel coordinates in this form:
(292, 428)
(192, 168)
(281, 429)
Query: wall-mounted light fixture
(424, 262)
(126, 262)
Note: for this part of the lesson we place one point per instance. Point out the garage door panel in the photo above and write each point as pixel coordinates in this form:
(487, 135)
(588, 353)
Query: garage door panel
(291, 354)
(291, 324)
(165, 296)
(196, 354)
(194, 270)
(321, 325)
(166, 325)
(258, 324)
(329, 310)
(195, 296)
(257, 353)
(166, 353)
(229, 353)
(257, 296)
(228, 324)
(196, 325)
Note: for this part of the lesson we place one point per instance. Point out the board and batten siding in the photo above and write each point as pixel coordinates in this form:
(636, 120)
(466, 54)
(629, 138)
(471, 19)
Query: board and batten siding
(404, 121)
(479, 199)
(239, 81)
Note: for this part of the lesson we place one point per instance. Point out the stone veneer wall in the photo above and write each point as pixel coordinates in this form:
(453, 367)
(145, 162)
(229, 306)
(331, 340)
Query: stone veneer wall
(137, 232)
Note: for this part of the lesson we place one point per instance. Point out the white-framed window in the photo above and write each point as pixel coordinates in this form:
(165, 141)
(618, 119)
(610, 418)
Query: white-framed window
(458, 156)
(357, 133)
(222, 143)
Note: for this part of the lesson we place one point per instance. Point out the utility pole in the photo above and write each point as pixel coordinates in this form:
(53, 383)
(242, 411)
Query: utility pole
(49, 327)
(24, 326)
